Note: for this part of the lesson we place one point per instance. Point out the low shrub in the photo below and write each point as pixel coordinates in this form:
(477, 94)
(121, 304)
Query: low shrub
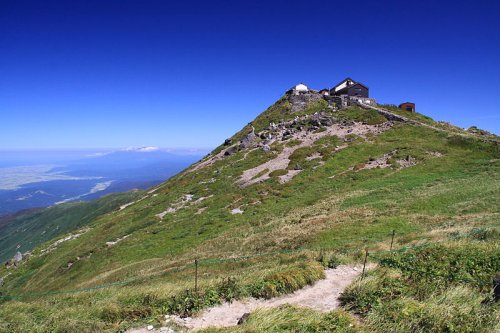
(329, 260)
(457, 310)
(438, 265)
(361, 296)
(438, 287)
(229, 289)
(287, 281)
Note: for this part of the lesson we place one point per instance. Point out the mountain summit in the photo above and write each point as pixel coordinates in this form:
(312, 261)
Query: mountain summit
(316, 179)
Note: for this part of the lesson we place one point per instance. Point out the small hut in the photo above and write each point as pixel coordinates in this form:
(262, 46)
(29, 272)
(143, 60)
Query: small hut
(407, 106)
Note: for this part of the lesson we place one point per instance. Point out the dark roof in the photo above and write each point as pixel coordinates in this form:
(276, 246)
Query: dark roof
(347, 87)
(338, 84)
(407, 103)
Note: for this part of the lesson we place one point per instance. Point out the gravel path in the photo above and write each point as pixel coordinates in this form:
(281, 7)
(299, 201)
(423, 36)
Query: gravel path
(322, 296)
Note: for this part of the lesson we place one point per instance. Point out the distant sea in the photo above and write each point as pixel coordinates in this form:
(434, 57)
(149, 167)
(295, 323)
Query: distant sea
(42, 178)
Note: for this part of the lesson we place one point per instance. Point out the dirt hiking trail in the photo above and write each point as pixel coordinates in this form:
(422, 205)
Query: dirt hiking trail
(321, 296)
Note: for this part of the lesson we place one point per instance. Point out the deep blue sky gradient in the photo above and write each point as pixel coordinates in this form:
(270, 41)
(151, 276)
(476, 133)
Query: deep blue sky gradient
(94, 74)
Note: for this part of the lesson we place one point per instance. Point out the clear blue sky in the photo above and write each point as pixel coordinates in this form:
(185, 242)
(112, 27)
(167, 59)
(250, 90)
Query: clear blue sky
(91, 74)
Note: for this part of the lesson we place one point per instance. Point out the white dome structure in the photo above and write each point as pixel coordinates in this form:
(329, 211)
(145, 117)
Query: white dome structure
(301, 88)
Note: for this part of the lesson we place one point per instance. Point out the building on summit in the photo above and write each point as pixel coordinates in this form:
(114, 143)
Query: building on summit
(350, 87)
(297, 89)
(347, 92)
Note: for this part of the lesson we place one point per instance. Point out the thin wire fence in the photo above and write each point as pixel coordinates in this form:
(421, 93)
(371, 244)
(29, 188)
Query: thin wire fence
(172, 270)
(378, 255)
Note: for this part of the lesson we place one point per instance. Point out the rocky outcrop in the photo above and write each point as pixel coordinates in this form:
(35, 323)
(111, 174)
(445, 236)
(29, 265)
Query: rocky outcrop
(307, 137)
(70, 237)
(248, 140)
(230, 151)
(18, 257)
(300, 102)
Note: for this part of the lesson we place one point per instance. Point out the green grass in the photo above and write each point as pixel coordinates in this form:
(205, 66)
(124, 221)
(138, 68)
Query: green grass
(437, 287)
(326, 206)
(370, 117)
(288, 318)
(31, 229)
(111, 309)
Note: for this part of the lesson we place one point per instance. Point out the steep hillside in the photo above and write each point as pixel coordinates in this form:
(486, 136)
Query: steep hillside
(28, 229)
(304, 181)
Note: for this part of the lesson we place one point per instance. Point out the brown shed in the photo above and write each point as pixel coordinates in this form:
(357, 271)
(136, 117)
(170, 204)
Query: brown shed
(407, 106)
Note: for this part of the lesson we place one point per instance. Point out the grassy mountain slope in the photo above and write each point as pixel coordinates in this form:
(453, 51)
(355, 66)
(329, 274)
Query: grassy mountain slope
(30, 228)
(329, 182)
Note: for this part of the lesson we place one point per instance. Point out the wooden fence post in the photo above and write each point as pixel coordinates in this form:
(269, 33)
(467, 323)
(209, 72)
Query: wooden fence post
(196, 275)
(392, 239)
(364, 264)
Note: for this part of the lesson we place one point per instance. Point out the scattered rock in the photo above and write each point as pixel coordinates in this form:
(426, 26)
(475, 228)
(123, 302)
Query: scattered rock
(435, 153)
(210, 181)
(111, 243)
(478, 131)
(248, 140)
(54, 245)
(315, 120)
(150, 327)
(243, 318)
(307, 139)
(381, 162)
(180, 203)
(230, 151)
(266, 148)
(236, 211)
(227, 142)
(407, 162)
(18, 257)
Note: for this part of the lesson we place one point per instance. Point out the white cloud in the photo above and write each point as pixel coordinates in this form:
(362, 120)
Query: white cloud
(142, 149)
